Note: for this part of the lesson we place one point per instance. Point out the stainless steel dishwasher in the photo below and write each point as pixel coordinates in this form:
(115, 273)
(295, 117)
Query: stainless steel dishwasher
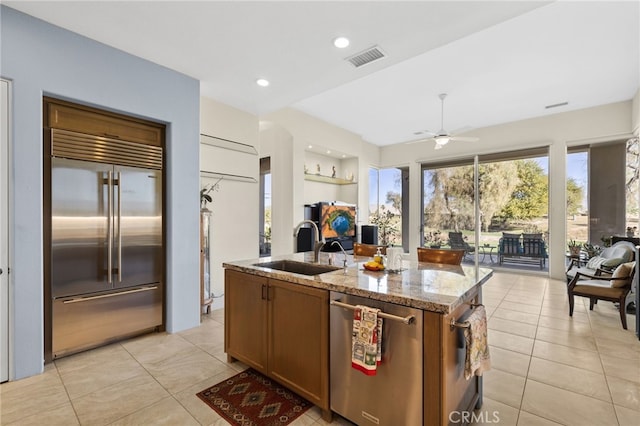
(394, 395)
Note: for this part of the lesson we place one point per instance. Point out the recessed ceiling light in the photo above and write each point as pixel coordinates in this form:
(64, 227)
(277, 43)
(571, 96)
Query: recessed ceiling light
(310, 146)
(262, 82)
(341, 42)
(328, 151)
(344, 156)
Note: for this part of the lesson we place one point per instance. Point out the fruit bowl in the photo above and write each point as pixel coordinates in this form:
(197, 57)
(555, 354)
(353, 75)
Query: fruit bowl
(373, 266)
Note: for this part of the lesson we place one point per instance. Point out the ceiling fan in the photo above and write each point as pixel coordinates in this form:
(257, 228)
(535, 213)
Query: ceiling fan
(443, 137)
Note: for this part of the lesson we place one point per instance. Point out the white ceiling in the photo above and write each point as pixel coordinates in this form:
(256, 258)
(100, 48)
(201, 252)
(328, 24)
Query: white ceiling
(498, 61)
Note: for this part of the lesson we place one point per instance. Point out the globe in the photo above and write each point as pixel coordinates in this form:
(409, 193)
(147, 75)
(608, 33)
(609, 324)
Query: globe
(340, 224)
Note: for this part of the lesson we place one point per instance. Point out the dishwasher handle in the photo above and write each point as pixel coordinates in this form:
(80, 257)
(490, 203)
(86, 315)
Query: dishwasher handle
(406, 320)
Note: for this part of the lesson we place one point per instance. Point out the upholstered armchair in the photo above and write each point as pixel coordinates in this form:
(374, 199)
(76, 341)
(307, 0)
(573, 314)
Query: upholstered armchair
(612, 287)
(609, 259)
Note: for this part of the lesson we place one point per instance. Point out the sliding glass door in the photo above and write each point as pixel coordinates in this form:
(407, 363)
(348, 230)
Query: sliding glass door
(513, 203)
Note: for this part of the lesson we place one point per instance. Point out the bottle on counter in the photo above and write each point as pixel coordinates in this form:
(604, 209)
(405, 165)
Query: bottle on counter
(378, 257)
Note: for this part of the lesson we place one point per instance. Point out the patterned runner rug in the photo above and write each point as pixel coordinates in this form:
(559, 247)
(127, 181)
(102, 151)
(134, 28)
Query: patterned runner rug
(250, 399)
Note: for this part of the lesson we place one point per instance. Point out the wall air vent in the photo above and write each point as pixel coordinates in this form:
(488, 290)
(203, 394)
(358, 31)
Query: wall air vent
(366, 57)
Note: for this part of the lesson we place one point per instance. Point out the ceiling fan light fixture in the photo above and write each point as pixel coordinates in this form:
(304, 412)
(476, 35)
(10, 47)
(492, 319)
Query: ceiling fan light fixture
(442, 139)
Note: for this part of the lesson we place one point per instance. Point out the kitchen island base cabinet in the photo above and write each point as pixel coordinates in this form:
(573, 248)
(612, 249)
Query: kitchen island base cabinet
(448, 396)
(282, 330)
(245, 319)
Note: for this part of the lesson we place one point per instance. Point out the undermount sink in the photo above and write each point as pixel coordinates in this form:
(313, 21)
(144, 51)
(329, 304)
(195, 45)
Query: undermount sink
(297, 267)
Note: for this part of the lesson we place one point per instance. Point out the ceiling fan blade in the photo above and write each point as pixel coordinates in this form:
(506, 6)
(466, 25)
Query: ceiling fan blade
(464, 138)
(463, 129)
(419, 140)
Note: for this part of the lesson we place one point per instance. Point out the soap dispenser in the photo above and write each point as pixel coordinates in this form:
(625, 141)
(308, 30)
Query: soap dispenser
(378, 257)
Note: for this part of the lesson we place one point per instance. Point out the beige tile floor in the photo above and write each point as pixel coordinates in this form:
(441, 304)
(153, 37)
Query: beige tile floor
(548, 369)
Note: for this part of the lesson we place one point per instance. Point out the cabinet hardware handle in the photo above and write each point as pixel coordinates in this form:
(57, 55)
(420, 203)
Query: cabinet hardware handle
(455, 324)
(406, 320)
(264, 287)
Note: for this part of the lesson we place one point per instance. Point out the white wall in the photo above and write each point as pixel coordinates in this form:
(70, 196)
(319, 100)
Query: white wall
(592, 125)
(235, 218)
(284, 136)
(636, 113)
(42, 59)
(322, 191)
(277, 143)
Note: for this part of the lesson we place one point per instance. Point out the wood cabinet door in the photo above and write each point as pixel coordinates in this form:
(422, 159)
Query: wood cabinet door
(79, 118)
(299, 340)
(245, 322)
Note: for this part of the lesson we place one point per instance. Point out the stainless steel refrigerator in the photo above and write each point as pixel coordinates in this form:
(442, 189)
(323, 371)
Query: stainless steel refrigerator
(106, 240)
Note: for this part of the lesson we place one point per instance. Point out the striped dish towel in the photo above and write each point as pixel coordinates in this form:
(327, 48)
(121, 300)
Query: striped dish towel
(366, 340)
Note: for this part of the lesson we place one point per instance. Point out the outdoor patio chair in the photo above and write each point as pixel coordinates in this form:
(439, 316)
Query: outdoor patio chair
(508, 246)
(533, 245)
(360, 249)
(613, 288)
(457, 242)
(446, 256)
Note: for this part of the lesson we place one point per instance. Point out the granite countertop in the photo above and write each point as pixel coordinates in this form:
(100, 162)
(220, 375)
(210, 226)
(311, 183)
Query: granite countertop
(427, 286)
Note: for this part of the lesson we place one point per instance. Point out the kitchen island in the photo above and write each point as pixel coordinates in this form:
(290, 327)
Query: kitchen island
(277, 322)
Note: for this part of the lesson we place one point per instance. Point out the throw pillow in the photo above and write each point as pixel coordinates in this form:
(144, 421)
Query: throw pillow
(595, 262)
(612, 263)
(623, 271)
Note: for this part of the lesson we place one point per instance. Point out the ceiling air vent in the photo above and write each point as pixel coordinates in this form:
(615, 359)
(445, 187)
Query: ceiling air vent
(366, 57)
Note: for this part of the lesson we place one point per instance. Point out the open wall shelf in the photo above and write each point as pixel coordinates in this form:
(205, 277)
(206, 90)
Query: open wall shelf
(328, 179)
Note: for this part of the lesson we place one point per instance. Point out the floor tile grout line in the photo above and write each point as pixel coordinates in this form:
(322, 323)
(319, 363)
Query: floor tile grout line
(73, 407)
(524, 388)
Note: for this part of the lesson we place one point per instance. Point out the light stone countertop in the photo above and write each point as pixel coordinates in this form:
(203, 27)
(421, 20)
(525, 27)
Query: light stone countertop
(427, 286)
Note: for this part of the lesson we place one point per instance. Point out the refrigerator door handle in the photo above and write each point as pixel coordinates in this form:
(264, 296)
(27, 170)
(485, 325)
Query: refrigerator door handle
(119, 227)
(109, 226)
(103, 296)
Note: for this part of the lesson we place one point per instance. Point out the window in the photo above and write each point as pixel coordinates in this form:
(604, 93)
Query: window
(602, 191)
(265, 207)
(388, 200)
(577, 200)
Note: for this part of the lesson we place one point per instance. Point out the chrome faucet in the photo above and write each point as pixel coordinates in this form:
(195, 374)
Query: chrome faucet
(343, 252)
(318, 243)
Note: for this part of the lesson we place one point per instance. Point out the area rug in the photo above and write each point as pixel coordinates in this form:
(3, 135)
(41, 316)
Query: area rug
(251, 399)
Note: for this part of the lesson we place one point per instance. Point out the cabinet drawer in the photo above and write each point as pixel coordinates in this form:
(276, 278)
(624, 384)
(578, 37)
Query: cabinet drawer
(102, 123)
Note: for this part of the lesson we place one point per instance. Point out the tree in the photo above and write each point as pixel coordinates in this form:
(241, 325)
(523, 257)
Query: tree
(530, 198)
(395, 198)
(451, 205)
(387, 226)
(574, 196)
(497, 182)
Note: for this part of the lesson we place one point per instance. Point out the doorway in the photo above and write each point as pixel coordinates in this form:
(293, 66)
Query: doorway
(4, 231)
